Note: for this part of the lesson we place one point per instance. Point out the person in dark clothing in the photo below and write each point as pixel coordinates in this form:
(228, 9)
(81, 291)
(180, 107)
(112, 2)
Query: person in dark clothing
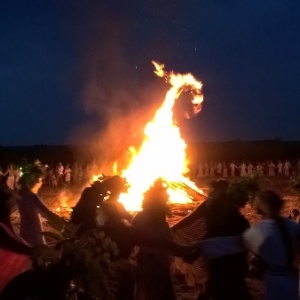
(126, 237)
(117, 185)
(110, 221)
(223, 218)
(153, 265)
(85, 211)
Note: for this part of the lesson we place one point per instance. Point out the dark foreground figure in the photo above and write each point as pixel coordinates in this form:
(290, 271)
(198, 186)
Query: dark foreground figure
(55, 282)
(223, 277)
(153, 276)
(92, 197)
(227, 275)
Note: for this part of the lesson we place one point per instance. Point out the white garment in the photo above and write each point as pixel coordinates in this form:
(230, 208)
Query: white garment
(286, 169)
(279, 169)
(60, 170)
(250, 169)
(219, 168)
(265, 240)
(243, 172)
(68, 175)
(232, 168)
(200, 171)
(10, 181)
(260, 170)
(271, 169)
(225, 171)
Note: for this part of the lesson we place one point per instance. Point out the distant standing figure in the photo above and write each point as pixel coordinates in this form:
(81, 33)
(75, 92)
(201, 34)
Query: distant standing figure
(250, 169)
(10, 173)
(260, 169)
(17, 176)
(225, 170)
(279, 168)
(211, 169)
(243, 170)
(232, 168)
(271, 169)
(52, 177)
(37, 163)
(60, 174)
(219, 169)
(286, 168)
(67, 173)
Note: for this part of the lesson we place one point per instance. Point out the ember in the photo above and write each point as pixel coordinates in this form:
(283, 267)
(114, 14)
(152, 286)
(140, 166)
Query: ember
(64, 209)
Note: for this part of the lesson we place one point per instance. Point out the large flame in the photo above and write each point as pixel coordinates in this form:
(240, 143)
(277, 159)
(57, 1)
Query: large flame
(163, 152)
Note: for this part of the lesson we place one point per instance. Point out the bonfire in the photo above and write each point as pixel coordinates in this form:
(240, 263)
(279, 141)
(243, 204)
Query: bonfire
(162, 155)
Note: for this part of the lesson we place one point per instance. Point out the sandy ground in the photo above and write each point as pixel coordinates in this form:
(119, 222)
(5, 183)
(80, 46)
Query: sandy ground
(59, 200)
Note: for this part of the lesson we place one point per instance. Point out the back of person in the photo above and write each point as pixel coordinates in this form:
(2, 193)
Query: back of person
(153, 265)
(277, 255)
(233, 224)
(84, 213)
(230, 222)
(274, 240)
(266, 240)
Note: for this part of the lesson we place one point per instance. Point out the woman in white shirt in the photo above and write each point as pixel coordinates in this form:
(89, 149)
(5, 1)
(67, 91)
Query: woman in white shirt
(273, 240)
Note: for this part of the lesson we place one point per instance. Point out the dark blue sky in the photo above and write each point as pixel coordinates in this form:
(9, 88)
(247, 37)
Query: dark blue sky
(68, 68)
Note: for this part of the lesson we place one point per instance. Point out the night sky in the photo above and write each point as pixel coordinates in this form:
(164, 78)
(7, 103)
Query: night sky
(70, 70)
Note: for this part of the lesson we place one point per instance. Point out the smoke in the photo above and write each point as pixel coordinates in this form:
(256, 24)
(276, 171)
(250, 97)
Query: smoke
(119, 92)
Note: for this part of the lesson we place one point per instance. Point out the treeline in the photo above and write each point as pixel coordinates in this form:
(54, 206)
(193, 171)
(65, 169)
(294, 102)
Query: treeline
(223, 151)
(245, 150)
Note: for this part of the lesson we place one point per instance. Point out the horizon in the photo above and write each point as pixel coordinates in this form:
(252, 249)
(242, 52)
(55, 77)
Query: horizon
(279, 140)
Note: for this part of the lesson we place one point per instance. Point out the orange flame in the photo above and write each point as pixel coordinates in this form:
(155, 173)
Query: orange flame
(163, 152)
(63, 203)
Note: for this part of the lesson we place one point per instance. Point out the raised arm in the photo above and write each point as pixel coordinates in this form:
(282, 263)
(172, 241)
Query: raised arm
(54, 220)
(41, 207)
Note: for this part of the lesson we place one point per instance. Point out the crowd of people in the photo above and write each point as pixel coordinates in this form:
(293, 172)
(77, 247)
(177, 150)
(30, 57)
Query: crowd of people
(57, 175)
(285, 168)
(225, 245)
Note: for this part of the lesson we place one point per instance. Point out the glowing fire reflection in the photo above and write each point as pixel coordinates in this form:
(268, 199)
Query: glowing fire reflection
(163, 152)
